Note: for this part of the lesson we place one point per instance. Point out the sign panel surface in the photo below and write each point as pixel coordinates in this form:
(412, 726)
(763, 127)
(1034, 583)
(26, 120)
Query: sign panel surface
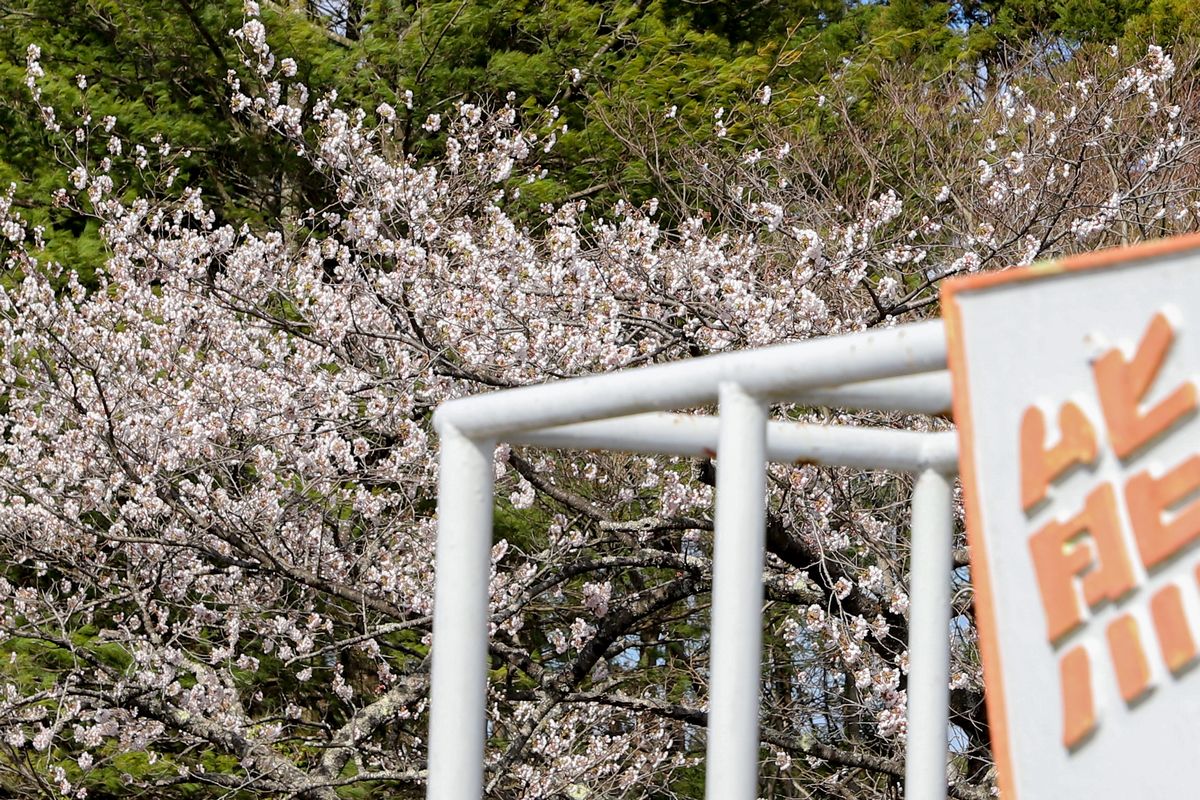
(1076, 396)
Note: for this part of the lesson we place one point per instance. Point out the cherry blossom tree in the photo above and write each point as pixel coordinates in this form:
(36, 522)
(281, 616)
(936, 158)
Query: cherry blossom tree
(217, 474)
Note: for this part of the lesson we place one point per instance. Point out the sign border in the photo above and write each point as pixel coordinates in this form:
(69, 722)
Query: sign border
(956, 357)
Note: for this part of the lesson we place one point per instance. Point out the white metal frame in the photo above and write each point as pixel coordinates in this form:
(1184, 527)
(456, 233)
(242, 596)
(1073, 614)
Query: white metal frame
(899, 369)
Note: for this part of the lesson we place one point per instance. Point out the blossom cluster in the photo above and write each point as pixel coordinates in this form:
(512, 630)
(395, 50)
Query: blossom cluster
(217, 469)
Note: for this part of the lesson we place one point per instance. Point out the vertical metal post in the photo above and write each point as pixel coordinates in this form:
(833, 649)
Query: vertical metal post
(460, 618)
(736, 637)
(929, 637)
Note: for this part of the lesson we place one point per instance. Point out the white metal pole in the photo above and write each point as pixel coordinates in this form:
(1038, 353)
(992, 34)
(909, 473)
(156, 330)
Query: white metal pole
(736, 635)
(460, 618)
(929, 637)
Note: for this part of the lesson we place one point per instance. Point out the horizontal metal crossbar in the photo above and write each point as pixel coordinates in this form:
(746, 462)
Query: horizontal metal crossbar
(787, 442)
(782, 373)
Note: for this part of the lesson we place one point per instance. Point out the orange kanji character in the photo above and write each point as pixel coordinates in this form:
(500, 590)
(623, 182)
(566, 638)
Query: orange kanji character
(1041, 466)
(1173, 630)
(1149, 497)
(1061, 554)
(1123, 384)
(1079, 711)
(1129, 658)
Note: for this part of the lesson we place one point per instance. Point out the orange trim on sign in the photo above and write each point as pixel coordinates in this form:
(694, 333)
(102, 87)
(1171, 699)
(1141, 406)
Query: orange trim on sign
(1112, 257)
(981, 575)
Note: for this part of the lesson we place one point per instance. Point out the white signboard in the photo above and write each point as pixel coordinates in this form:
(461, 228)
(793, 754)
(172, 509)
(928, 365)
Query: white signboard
(1075, 393)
